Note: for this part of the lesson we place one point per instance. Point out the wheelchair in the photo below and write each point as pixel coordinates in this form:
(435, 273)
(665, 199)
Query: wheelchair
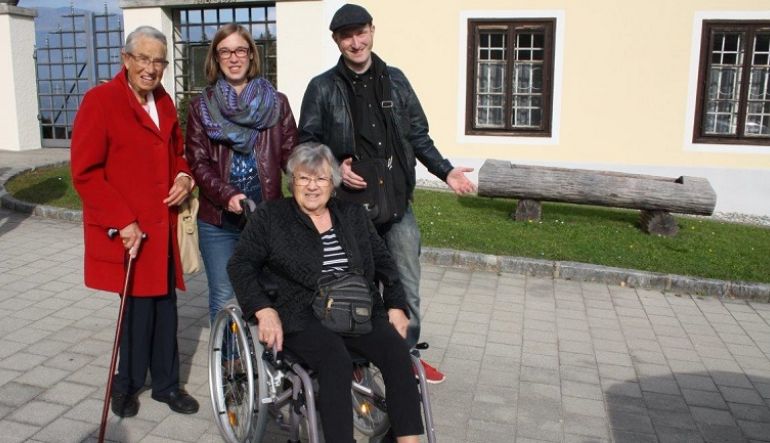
(250, 386)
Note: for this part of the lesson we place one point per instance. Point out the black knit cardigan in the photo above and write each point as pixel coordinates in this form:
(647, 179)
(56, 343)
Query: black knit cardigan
(278, 259)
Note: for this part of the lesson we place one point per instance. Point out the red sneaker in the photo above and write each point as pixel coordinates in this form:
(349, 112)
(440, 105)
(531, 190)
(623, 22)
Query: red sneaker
(432, 375)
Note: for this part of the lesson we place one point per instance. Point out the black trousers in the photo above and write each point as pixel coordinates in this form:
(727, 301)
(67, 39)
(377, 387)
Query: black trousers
(148, 341)
(326, 352)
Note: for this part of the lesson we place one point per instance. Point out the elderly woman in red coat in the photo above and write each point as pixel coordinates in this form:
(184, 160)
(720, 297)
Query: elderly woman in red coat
(129, 169)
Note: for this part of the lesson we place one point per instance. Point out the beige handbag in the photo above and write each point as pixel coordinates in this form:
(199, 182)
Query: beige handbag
(187, 235)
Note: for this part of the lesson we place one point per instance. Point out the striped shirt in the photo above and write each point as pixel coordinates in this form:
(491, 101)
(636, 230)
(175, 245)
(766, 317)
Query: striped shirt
(334, 259)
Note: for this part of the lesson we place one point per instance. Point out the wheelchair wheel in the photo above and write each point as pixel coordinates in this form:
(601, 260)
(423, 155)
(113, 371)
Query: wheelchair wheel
(370, 414)
(236, 380)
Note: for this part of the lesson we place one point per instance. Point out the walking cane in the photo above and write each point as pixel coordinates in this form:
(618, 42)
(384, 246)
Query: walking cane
(111, 233)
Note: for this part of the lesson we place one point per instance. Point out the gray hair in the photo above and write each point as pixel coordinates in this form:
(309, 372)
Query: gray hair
(144, 31)
(311, 157)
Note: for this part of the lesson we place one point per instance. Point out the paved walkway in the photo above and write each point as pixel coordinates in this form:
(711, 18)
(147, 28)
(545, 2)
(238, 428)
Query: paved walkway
(527, 359)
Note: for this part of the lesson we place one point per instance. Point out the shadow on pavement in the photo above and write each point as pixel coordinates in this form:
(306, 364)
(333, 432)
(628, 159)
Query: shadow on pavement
(52, 188)
(690, 407)
(9, 220)
(116, 431)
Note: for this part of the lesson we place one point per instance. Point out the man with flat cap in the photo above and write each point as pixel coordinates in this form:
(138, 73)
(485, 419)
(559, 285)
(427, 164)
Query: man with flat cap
(364, 109)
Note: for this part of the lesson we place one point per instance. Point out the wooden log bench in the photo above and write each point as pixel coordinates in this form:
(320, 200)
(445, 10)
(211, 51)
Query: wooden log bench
(655, 197)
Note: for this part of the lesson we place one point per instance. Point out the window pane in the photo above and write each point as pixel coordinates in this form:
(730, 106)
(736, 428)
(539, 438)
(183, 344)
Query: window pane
(758, 83)
(209, 31)
(727, 48)
(195, 34)
(258, 31)
(758, 107)
(242, 15)
(527, 79)
(194, 16)
(492, 45)
(225, 15)
(490, 111)
(723, 85)
(490, 79)
(758, 119)
(761, 49)
(209, 15)
(527, 111)
(258, 14)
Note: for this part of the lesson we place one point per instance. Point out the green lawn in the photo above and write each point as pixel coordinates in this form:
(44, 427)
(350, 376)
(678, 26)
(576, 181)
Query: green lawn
(590, 234)
(586, 234)
(50, 186)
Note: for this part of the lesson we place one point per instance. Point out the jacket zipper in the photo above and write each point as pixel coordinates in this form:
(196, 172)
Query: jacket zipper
(346, 104)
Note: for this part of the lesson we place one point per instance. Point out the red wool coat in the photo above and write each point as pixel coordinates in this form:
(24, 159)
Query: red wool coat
(123, 167)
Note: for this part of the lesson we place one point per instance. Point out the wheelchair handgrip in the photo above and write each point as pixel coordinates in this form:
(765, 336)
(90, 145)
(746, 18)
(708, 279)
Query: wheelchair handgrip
(248, 206)
(273, 356)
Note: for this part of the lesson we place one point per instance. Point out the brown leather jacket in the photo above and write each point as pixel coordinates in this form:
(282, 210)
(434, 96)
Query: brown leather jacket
(210, 160)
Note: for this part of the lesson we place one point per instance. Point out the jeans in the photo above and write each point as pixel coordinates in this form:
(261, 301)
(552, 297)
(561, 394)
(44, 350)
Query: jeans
(217, 246)
(403, 240)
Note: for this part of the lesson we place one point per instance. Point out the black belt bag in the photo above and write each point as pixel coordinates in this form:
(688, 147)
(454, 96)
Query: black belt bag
(343, 303)
(379, 197)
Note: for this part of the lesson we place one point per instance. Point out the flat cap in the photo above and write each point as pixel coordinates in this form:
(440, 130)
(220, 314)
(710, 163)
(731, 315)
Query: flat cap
(349, 15)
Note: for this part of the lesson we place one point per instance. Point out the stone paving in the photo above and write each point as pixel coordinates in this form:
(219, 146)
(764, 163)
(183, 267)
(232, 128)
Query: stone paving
(527, 359)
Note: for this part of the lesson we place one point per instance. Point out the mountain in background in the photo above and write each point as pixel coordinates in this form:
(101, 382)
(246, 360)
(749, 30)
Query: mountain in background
(52, 19)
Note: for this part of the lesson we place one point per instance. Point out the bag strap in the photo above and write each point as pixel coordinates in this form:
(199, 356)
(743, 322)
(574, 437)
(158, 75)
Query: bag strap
(390, 119)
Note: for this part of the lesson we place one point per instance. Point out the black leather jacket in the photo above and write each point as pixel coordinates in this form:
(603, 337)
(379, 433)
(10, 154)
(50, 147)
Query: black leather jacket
(326, 118)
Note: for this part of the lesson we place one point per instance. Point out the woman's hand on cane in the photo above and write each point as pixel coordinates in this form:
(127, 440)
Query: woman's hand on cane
(132, 236)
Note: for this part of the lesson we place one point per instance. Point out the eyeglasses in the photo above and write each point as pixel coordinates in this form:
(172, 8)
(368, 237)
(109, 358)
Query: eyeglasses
(145, 61)
(322, 182)
(225, 53)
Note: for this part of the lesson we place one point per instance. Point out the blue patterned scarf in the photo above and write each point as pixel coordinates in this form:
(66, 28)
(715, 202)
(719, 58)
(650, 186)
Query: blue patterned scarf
(236, 119)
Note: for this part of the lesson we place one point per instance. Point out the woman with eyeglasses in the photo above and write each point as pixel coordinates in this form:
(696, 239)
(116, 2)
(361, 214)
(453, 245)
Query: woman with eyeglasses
(240, 133)
(291, 243)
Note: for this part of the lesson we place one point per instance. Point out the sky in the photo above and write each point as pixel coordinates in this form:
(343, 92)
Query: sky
(94, 5)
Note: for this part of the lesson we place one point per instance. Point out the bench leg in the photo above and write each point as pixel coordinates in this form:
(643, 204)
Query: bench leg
(527, 209)
(658, 223)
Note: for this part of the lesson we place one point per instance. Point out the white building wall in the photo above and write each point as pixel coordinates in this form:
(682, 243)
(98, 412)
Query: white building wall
(19, 127)
(305, 46)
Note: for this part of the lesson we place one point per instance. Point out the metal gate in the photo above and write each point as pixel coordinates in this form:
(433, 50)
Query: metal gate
(84, 51)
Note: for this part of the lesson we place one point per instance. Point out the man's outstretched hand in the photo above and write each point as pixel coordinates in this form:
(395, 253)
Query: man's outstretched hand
(458, 182)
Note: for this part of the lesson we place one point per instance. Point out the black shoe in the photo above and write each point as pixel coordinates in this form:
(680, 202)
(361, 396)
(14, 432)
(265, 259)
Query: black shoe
(124, 405)
(179, 401)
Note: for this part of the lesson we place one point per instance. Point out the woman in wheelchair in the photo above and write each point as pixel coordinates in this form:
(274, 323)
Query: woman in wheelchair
(291, 243)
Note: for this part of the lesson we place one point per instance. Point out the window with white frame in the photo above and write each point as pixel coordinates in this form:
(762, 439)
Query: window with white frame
(733, 102)
(510, 71)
